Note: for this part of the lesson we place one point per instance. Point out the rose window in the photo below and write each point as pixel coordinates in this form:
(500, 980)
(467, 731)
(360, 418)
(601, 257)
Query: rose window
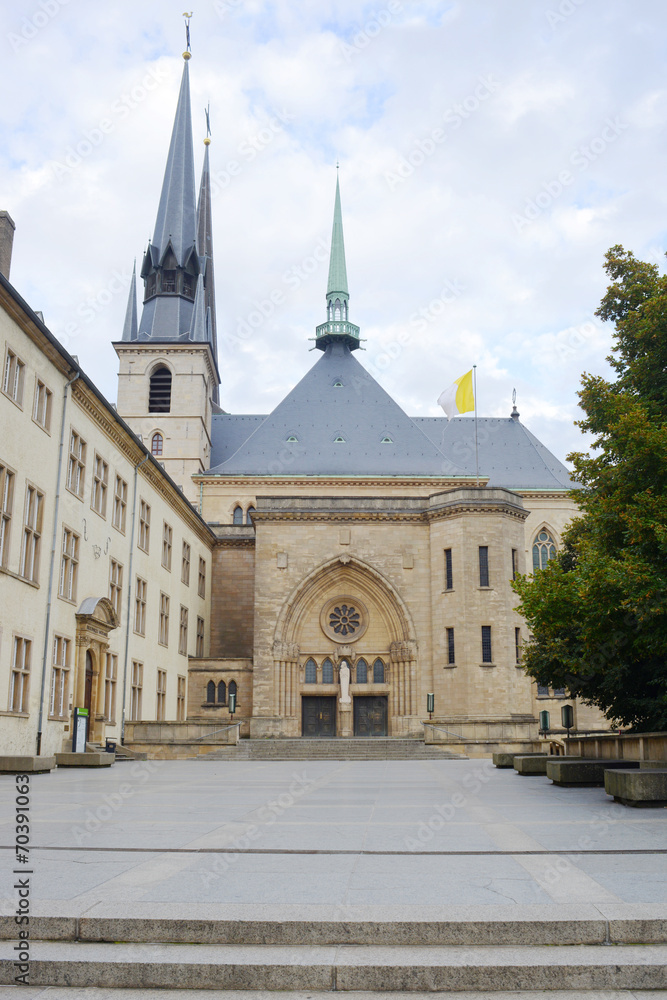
(344, 620)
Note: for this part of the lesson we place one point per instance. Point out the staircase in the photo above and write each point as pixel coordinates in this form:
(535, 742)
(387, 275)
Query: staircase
(376, 748)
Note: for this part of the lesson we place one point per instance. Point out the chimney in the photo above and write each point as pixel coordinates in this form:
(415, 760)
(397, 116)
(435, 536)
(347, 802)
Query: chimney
(7, 228)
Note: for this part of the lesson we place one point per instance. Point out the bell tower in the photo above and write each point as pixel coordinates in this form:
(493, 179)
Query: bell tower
(168, 375)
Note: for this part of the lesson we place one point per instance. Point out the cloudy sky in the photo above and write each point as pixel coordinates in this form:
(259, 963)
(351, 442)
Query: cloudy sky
(490, 152)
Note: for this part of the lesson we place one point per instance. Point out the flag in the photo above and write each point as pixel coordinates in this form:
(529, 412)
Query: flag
(459, 398)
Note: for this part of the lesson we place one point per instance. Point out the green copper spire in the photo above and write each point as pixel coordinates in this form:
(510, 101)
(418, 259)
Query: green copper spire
(337, 327)
(337, 284)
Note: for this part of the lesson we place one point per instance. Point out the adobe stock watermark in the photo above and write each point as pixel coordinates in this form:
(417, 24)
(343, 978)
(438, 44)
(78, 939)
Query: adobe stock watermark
(565, 9)
(88, 310)
(248, 149)
(452, 120)
(120, 110)
(444, 813)
(375, 24)
(225, 7)
(581, 159)
(32, 25)
(112, 802)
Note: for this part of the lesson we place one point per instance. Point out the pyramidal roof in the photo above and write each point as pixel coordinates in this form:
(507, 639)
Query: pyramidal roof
(338, 421)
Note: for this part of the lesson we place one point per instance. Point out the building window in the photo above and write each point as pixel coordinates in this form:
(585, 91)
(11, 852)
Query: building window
(98, 499)
(120, 504)
(362, 671)
(378, 672)
(77, 464)
(517, 645)
(542, 690)
(169, 281)
(136, 690)
(140, 606)
(210, 693)
(110, 677)
(180, 698)
(183, 632)
(144, 526)
(487, 652)
(232, 690)
(449, 575)
(69, 565)
(559, 693)
(32, 533)
(12, 384)
(41, 413)
(116, 585)
(544, 549)
(311, 671)
(515, 564)
(248, 517)
(238, 515)
(20, 678)
(185, 565)
(59, 677)
(188, 286)
(161, 695)
(159, 393)
(166, 545)
(222, 693)
(157, 442)
(6, 505)
(163, 628)
(201, 589)
(484, 566)
(327, 671)
(199, 650)
(451, 652)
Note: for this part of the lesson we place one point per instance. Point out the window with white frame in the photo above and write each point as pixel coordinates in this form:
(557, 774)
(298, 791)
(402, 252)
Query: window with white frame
(161, 695)
(6, 505)
(60, 668)
(144, 525)
(167, 534)
(19, 683)
(32, 533)
(77, 464)
(140, 606)
(183, 632)
(98, 499)
(12, 383)
(41, 412)
(110, 678)
(180, 699)
(163, 624)
(69, 565)
(115, 585)
(201, 588)
(136, 689)
(120, 504)
(185, 565)
(199, 651)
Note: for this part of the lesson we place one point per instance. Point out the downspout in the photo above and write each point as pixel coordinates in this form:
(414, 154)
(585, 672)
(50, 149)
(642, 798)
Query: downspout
(129, 595)
(56, 535)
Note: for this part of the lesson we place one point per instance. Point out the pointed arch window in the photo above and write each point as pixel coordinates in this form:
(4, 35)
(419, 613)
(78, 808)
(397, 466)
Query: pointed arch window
(311, 671)
(159, 393)
(232, 690)
(157, 443)
(544, 549)
(362, 671)
(238, 515)
(378, 672)
(248, 518)
(210, 692)
(222, 693)
(327, 671)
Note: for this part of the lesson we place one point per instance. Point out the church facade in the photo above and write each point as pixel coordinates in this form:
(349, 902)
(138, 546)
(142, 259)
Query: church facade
(356, 560)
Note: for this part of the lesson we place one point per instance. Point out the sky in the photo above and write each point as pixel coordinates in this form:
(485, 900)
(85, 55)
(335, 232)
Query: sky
(490, 151)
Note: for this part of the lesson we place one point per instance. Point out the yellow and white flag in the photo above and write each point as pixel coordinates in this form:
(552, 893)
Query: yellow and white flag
(459, 398)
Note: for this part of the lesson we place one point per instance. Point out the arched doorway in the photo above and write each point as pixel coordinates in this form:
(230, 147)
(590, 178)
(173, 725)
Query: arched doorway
(88, 695)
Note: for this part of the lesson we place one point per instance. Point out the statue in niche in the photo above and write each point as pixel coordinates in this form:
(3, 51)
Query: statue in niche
(344, 673)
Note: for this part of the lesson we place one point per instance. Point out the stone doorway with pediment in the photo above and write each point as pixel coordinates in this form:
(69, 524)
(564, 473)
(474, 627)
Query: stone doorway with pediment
(95, 619)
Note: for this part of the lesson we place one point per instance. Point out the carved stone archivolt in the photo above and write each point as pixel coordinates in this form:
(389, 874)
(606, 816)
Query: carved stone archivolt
(403, 651)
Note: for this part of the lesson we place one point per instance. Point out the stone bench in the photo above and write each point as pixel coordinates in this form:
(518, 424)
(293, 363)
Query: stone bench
(531, 763)
(566, 771)
(642, 787)
(84, 759)
(25, 764)
(507, 759)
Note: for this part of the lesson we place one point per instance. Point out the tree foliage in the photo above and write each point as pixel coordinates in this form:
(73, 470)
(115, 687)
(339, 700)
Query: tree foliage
(598, 612)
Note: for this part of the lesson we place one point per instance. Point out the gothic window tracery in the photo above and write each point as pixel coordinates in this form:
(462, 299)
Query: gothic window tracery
(544, 549)
(327, 671)
(311, 671)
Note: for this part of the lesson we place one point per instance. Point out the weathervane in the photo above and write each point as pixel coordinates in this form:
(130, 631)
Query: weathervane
(187, 29)
(208, 120)
(513, 397)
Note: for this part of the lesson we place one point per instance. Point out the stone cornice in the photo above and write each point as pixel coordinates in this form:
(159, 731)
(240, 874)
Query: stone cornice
(162, 348)
(435, 484)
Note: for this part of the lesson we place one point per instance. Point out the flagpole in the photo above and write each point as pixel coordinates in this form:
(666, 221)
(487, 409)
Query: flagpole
(474, 392)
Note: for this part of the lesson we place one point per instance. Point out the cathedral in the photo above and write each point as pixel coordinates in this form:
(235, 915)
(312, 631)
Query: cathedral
(352, 541)
(335, 568)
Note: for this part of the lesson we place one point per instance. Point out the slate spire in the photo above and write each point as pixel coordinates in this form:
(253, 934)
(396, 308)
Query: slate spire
(337, 327)
(130, 327)
(205, 243)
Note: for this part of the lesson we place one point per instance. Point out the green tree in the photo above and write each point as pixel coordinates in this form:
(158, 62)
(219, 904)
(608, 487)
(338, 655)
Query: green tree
(598, 612)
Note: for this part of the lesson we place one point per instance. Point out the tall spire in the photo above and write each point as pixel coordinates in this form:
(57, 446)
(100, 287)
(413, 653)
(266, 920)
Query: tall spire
(337, 326)
(130, 328)
(205, 242)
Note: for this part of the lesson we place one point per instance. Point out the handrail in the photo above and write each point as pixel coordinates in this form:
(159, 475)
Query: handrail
(206, 735)
(459, 736)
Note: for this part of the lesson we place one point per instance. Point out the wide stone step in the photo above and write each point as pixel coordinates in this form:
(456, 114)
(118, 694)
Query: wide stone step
(341, 967)
(333, 749)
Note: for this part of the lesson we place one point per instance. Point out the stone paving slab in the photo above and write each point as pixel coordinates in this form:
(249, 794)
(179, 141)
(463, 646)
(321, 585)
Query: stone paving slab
(97, 993)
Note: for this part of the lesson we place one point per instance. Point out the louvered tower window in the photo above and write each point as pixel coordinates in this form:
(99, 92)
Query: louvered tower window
(159, 395)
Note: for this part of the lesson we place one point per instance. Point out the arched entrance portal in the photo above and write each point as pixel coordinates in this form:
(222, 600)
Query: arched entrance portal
(345, 656)
(95, 619)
